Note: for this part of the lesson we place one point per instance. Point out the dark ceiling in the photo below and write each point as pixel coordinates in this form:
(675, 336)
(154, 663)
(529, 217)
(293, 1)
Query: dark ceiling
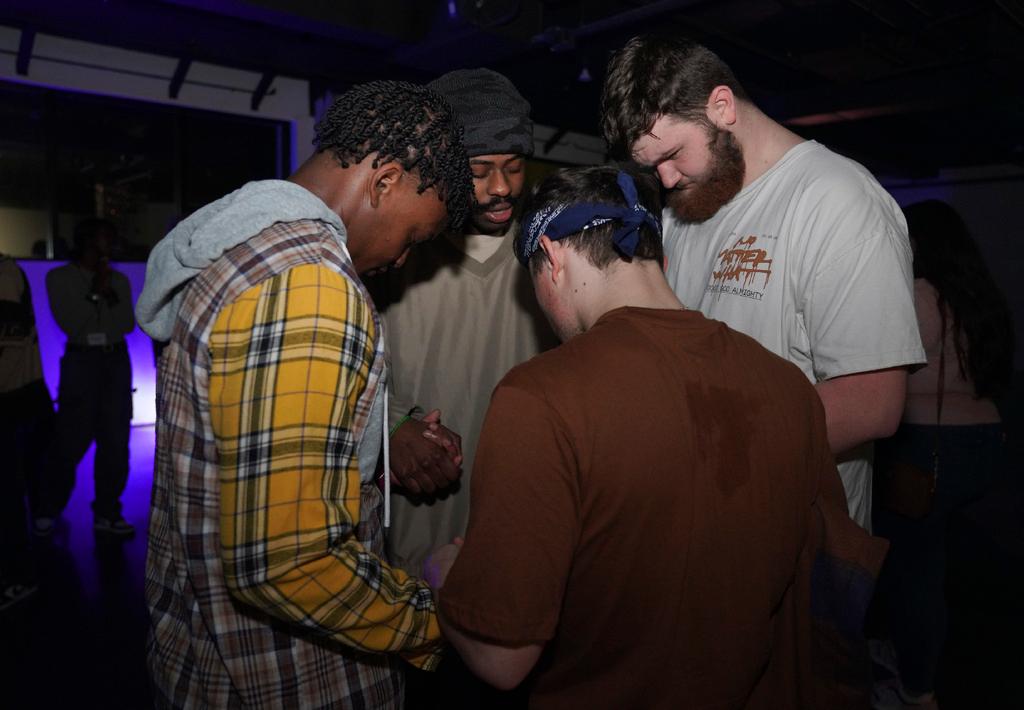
(905, 86)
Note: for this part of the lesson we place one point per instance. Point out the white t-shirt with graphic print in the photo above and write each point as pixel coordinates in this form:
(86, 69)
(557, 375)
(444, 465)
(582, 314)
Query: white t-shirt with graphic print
(812, 260)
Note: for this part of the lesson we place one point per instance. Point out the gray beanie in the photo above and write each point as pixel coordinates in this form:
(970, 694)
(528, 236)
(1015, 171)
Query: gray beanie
(495, 117)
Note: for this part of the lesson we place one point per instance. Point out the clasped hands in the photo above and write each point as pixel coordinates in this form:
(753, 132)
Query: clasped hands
(426, 456)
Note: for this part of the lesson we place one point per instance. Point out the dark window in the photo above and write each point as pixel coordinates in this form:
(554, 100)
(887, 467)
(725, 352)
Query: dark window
(66, 156)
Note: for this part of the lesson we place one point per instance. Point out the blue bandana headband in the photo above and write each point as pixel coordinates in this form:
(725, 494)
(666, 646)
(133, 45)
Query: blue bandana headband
(558, 221)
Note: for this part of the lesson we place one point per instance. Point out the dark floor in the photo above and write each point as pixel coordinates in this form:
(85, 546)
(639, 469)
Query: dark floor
(79, 642)
(983, 663)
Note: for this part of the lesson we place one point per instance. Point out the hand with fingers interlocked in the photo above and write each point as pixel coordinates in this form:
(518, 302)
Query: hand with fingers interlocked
(426, 456)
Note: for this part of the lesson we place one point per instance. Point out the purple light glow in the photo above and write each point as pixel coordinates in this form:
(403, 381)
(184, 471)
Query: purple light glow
(51, 338)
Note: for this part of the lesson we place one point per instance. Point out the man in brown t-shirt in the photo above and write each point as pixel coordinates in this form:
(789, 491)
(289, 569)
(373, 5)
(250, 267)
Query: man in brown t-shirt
(652, 500)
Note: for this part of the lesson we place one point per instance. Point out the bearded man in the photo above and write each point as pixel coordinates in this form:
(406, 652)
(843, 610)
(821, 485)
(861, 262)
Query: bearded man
(778, 237)
(459, 316)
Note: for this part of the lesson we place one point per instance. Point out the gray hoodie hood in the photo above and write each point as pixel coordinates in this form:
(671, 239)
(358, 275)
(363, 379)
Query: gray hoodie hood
(208, 233)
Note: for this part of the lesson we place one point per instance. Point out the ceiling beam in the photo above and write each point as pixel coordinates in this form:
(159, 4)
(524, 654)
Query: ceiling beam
(551, 142)
(898, 95)
(28, 39)
(861, 113)
(261, 90)
(180, 72)
(171, 30)
(628, 18)
(1013, 10)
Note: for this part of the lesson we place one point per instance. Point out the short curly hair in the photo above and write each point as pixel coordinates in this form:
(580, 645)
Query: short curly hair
(408, 123)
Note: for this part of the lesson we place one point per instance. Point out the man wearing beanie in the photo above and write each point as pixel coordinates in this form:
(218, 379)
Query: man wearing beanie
(458, 317)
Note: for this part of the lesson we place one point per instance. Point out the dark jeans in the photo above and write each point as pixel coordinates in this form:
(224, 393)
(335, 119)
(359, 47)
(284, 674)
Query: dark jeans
(912, 582)
(26, 423)
(94, 403)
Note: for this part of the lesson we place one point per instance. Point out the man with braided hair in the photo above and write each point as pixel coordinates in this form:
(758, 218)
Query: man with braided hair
(265, 576)
(459, 316)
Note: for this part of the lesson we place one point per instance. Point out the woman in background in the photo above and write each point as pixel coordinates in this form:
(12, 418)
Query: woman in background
(965, 321)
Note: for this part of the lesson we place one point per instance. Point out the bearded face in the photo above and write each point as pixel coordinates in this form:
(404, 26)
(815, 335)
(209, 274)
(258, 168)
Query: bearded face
(699, 198)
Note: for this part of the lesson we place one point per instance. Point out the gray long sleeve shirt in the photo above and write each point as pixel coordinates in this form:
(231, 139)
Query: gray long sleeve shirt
(86, 322)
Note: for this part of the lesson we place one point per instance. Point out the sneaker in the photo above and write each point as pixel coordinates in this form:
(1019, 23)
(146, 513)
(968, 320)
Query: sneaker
(43, 526)
(892, 695)
(883, 654)
(11, 594)
(118, 527)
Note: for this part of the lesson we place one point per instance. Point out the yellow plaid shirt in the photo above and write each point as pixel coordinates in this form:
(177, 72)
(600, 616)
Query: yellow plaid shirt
(289, 359)
(265, 576)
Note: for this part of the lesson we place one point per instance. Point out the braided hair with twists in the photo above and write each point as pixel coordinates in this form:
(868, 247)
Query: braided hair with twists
(407, 123)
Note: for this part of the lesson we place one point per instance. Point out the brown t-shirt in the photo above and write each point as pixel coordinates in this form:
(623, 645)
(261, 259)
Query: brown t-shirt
(641, 500)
